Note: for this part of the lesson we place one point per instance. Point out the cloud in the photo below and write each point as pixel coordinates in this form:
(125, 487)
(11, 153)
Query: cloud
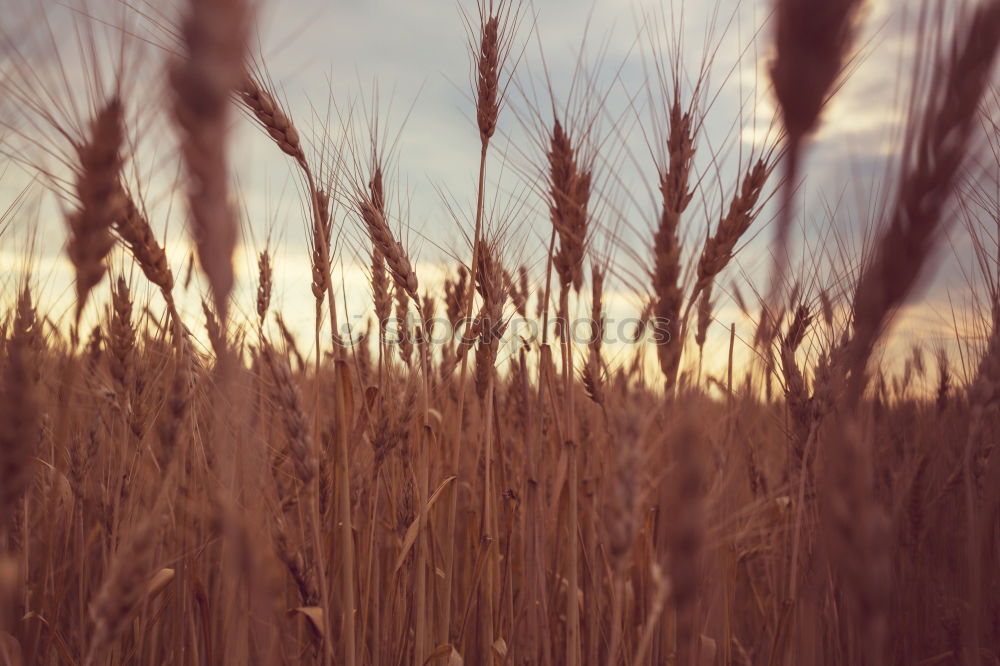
(320, 51)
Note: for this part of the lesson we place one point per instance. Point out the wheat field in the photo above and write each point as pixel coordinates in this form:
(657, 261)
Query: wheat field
(438, 484)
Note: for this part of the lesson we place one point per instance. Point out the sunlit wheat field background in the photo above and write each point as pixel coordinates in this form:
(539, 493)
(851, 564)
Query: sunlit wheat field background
(499, 332)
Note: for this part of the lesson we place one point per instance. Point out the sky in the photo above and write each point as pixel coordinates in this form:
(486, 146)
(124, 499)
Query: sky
(339, 62)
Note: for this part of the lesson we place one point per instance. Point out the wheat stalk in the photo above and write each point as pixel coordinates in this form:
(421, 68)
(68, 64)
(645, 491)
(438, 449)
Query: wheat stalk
(20, 412)
(100, 202)
(811, 43)
(122, 589)
(675, 191)
(936, 149)
(214, 34)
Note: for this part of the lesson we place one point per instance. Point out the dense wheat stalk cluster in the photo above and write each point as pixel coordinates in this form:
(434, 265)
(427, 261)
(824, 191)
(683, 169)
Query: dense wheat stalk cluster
(195, 490)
